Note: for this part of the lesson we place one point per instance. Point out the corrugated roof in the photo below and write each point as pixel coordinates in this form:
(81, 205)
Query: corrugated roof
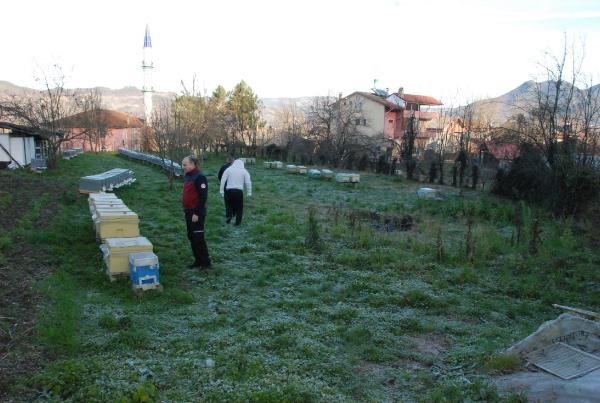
(26, 131)
(112, 119)
(17, 130)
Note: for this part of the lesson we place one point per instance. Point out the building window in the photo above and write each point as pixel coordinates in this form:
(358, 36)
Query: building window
(364, 121)
(391, 121)
(357, 121)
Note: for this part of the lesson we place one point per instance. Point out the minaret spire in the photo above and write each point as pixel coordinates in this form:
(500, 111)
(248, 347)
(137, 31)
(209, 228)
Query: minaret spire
(147, 66)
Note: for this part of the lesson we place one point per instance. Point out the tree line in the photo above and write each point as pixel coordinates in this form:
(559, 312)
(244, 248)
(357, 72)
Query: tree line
(556, 127)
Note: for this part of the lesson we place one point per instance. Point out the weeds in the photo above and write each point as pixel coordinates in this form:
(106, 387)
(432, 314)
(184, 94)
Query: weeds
(391, 295)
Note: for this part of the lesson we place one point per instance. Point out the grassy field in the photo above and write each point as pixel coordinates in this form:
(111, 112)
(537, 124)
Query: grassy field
(327, 292)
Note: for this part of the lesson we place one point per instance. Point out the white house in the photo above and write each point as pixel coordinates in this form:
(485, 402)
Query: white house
(17, 145)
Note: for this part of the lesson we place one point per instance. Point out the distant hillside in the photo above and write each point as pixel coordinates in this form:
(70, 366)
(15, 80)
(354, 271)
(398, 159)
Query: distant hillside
(130, 100)
(10, 88)
(273, 108)
(516, 101)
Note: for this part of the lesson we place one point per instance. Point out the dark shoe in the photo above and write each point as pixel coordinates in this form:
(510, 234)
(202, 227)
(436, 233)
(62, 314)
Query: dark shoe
(228, 220)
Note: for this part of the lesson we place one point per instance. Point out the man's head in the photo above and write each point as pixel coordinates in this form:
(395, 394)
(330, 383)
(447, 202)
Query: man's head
(189, 163)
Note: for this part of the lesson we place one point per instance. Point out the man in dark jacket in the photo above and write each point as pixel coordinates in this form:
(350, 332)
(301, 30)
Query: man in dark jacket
(195, 194)
(226, 201)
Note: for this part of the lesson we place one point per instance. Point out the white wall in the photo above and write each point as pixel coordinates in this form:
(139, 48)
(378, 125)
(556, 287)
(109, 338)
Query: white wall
(20, 148)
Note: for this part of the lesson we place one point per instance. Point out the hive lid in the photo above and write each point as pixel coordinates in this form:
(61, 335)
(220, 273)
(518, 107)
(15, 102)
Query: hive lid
(115, 214)
(124, 243)
(143, 259)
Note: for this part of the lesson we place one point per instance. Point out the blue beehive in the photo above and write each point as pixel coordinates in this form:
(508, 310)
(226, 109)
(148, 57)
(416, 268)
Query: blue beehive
(144, 270)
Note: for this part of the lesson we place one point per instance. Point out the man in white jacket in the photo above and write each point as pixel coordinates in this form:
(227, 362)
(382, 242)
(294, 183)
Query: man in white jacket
(237, 178)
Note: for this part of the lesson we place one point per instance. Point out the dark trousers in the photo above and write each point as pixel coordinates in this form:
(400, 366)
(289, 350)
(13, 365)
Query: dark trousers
(228, 212)
(195, 233)
(235, 199)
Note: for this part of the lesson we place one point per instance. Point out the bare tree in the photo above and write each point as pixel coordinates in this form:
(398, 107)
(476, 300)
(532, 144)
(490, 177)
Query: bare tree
(191, 112)
(93, 121)
(548, 115)
(319, 119)
(335, 126)
(587, 123)
(556, 114)
(443, 139)
(291, 120)
(45, 111)
(168, 137)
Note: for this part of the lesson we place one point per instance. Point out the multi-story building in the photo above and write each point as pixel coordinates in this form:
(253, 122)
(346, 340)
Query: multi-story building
(386, 117)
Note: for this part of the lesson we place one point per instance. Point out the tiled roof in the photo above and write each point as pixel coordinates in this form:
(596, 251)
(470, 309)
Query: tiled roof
(419, 99)
(112, 119)
(502, 151)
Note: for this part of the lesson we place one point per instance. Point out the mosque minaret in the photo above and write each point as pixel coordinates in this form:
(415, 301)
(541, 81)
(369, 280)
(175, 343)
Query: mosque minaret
(147, 66)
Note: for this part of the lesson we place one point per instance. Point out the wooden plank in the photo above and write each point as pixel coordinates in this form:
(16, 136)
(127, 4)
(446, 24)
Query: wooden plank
(577, 310)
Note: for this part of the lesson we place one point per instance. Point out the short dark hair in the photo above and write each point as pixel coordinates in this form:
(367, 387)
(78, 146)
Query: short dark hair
(192, 158)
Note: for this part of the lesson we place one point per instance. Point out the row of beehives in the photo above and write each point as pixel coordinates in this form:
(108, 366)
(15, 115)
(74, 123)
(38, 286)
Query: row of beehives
(72, 153)
(314, 173)
(248, 160)
(106, 181)
(164, 163)
(125, 252)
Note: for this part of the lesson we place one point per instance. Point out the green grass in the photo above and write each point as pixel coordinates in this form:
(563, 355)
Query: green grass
(312, 299)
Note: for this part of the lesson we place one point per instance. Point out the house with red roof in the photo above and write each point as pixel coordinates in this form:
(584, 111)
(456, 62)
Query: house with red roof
(386, 117)
(103, 130)
(499, 154)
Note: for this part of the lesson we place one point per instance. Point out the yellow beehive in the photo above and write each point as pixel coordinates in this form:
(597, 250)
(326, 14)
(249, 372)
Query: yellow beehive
(116, 253)
(106, 210)
(116, 224)
(106, 202)
(102, 196)
(103, 204)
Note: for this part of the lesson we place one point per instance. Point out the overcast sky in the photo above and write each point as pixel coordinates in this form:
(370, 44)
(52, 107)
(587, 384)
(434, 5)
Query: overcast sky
(454, 50)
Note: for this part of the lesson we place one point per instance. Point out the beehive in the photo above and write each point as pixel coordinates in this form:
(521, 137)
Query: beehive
(327, 174)
(314, 173)
(144, 270)
(106, 204)
(291, 169)
(347, 178)
(116, 253)
(116, 224)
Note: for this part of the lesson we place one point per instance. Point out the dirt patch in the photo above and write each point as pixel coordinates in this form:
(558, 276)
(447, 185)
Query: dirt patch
(21, 266)
(431, 345)
(378, 221)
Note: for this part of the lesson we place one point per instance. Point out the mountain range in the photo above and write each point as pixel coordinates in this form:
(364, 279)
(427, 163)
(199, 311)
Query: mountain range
(130, 100)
